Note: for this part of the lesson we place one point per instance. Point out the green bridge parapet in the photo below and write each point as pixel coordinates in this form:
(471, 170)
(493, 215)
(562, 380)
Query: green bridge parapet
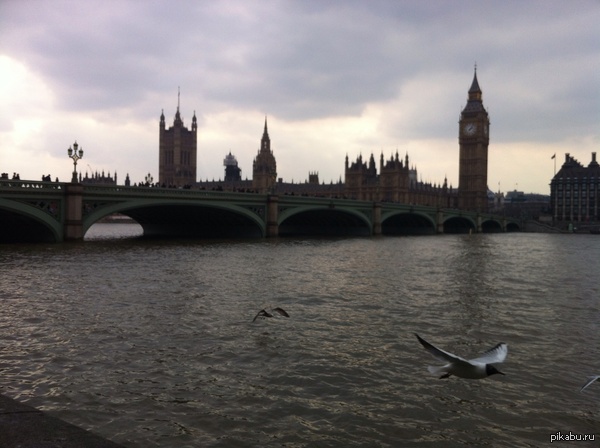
(67, 210)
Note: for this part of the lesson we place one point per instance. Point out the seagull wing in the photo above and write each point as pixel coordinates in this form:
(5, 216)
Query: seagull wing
(261, 313)
(495, 354)
(281, 311)
(589, 381)
(438, 353)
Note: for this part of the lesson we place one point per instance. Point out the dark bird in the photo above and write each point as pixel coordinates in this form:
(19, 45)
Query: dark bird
(589, 381)
(474, 368)
(264, 313)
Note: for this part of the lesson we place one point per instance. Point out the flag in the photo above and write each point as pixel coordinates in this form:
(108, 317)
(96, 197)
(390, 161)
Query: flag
(554, 156)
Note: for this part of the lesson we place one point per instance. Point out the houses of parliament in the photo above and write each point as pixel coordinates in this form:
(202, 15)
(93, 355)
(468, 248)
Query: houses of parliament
(394, 180)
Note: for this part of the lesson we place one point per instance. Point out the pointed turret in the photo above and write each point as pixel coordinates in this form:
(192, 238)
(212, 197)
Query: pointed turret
(178, 120)
(474, 102)
(475, 90)
(265, 142)
(372, 166)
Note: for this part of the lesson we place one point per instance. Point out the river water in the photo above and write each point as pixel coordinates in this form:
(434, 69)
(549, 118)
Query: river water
(151, 343)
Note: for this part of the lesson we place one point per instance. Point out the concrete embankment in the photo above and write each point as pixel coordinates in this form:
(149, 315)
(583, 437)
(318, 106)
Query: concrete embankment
(26, 427)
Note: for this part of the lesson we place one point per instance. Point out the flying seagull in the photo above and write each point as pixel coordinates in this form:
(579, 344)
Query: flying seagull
(264, 313)
(590, 380)
(473, 368)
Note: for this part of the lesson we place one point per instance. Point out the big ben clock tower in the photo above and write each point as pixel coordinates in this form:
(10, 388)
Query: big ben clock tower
(473, 139)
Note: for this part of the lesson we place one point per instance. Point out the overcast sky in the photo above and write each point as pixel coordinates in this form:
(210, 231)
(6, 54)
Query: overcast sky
(333, 78)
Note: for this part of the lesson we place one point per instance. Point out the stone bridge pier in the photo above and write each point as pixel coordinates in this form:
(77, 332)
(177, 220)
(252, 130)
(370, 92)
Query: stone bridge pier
(376, 218)
(73, 224)
(272, 216)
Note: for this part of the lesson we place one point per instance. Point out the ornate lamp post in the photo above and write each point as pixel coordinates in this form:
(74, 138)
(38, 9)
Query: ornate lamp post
(75, 154)
(149, 180)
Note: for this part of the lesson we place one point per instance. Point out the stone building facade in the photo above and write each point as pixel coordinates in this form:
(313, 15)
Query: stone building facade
(393, 181)
(396, 181)
(264, 167)
(177, 152)
(98, 179)
(574, 191)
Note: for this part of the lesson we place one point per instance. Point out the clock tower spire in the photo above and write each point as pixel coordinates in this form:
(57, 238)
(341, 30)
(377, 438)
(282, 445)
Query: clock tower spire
(473, 139)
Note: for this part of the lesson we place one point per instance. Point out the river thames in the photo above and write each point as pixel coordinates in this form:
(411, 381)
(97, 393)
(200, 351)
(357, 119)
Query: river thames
(152, 344)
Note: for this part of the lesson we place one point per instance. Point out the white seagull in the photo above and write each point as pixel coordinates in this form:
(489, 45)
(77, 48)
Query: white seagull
(590, 380)
(264, 313)
(473, 368)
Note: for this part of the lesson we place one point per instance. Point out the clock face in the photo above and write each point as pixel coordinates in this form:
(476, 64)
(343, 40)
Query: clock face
(470, 128)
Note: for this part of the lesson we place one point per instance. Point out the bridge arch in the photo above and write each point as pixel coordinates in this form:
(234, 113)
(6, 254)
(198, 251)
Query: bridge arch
(323, 220)
(407, 223)
(459, 224)
(25, 223)
(491, 226)
(185, 218)
(512, 226)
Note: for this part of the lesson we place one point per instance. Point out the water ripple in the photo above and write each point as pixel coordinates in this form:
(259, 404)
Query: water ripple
(153, 344)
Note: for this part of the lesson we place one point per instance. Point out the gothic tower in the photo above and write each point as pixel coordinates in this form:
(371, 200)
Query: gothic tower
(264, 168)
(473, 140)
(177, 152)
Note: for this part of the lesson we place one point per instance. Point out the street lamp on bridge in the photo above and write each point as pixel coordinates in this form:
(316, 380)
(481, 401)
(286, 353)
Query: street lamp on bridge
(149, 180)
(75, 154)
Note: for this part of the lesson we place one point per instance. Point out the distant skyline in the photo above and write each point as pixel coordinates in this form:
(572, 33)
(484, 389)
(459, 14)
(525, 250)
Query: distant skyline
(333, 78)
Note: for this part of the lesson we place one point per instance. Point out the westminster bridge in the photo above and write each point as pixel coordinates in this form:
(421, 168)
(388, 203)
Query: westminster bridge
(33, 211)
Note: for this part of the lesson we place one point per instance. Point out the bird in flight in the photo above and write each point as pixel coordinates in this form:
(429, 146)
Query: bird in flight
(589, 381)
(477, 368)
(264, 313)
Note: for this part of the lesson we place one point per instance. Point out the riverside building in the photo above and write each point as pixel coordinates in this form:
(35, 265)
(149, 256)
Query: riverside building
(574, 191)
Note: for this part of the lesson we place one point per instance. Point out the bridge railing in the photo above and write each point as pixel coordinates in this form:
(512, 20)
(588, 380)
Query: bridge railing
(16, 185)
(195, 193)
(120, 190)
(13, 184)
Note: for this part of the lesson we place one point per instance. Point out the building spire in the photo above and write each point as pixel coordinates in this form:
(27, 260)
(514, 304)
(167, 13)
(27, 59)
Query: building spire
(177, 115)
(266, 141)
(475, 90)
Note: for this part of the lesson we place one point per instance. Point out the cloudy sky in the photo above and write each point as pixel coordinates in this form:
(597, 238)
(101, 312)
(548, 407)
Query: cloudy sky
(334, 78)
